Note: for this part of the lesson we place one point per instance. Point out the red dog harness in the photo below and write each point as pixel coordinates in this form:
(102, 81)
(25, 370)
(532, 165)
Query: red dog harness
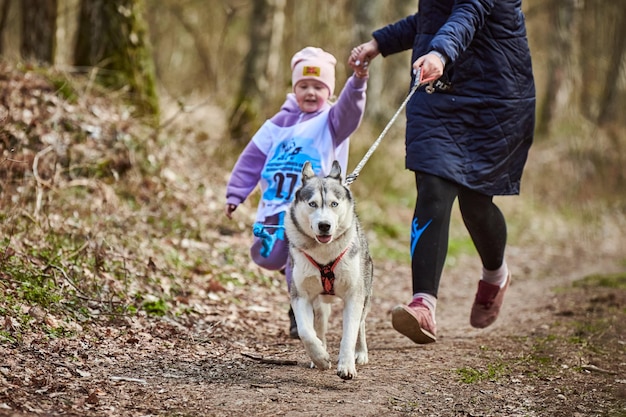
(327, 272)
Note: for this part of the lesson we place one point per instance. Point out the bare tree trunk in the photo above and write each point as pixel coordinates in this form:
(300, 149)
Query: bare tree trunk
(561, 15)
(588, 63)
(365, 14)
(112, 35)
(39, 18)
(389, 77)
(608, 107)
(248, 103)
(4, 13)
(200, 44)
(602, 55)
(276, 41)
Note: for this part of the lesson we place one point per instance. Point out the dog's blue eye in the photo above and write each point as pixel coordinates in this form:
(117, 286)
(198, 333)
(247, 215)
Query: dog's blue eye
(334, 204)
(312, 204)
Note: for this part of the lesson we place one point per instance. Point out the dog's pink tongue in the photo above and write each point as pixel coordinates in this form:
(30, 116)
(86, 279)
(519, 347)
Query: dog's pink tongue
(324, 238)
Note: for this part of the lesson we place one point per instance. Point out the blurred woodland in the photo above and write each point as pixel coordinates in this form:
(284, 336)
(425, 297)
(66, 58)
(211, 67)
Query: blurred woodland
(234, 55)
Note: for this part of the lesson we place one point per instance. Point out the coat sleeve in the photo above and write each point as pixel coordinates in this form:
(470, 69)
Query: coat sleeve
(397, 37)
(467, 17)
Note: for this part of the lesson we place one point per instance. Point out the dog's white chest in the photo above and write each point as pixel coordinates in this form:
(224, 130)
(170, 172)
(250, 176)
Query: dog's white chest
(333, 278)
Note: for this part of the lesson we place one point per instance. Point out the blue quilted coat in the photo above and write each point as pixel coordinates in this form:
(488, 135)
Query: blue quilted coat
(477, 127)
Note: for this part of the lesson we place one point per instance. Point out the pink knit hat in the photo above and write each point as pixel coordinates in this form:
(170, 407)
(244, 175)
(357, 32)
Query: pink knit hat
(313, 64)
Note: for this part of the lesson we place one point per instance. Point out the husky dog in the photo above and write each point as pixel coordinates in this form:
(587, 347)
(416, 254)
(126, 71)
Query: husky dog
(330, 259)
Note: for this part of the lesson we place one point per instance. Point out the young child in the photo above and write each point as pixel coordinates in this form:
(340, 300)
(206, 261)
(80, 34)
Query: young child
(307, 128)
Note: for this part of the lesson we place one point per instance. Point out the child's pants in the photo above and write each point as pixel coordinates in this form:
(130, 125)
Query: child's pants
(278, 257)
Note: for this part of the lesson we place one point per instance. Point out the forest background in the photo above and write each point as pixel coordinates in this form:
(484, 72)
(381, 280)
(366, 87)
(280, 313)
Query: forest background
(199, 77)
(120, 121)
(230, 59)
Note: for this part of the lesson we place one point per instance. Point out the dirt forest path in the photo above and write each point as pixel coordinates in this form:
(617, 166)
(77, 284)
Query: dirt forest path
(220, 377)
(403, 378)
(210, 365)
(222, 350)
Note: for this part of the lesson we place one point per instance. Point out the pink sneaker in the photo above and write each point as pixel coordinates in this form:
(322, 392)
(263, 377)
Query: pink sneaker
(487, 303)
(415, 321)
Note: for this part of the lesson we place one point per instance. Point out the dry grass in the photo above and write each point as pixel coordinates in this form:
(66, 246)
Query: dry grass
(113, 243)
(120, 216)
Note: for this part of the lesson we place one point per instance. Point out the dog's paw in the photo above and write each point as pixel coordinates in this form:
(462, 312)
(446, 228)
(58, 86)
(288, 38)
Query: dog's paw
(361, 358)
(319, 356)
(346, 372)
(323, 363)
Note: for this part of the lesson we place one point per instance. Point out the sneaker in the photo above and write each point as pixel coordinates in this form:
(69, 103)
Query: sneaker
(415, 321)
(487, 303)
(293, 326)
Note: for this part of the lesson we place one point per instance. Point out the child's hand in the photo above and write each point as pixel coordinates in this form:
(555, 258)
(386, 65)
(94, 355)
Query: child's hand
(228, 210)
(361, 70)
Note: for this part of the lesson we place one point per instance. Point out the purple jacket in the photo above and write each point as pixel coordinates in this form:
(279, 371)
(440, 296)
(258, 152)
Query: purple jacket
(344, 116)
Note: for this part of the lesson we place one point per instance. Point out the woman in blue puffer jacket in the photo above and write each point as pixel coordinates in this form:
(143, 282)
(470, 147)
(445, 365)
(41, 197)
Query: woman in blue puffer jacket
(469, 140)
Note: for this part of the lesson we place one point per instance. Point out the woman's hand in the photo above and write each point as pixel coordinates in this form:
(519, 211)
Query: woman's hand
(431, 67)
(361, 55)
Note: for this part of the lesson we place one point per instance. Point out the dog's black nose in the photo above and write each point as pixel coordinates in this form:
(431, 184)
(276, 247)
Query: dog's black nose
(324, 227)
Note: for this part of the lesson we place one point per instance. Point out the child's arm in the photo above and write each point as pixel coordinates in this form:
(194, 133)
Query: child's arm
(347, 113)
(244, 177)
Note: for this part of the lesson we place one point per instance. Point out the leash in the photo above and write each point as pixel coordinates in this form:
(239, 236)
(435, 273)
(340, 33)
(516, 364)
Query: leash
(416, 84)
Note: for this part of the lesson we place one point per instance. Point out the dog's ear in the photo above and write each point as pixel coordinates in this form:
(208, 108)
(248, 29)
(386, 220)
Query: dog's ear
(307, 172)
(335, 171)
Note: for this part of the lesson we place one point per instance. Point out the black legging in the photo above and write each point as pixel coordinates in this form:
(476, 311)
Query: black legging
(431, 226)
